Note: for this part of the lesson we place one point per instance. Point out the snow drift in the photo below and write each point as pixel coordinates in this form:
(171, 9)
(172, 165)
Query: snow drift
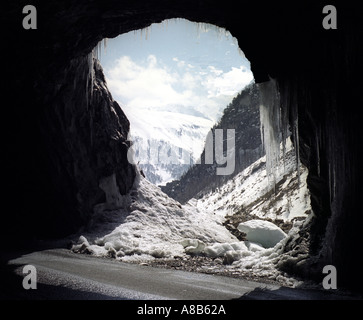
(148, 225)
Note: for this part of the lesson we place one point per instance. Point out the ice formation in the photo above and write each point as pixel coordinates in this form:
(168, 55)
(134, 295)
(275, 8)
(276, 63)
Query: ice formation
(274, 129)
(263, 232)
(94, 54)
(270, 126)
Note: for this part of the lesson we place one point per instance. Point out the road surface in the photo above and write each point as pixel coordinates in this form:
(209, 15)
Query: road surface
(62, 274)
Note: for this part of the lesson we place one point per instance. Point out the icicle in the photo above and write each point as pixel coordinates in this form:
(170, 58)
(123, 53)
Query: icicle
(284, 116)
(94, 54)
(105, 44)
(317, 142)
(270, 127)
(147, 31)
(90, 76)
(296, 146)
(295, 131)
(203, 27)
(97, 50)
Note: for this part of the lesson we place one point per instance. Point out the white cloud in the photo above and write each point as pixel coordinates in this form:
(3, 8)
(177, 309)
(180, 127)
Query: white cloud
(142, 86)
(228, 83)
(215, 71)
(154, 84)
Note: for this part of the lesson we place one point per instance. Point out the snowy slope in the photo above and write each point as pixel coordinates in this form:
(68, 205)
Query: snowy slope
(251, 192)
(149, 225)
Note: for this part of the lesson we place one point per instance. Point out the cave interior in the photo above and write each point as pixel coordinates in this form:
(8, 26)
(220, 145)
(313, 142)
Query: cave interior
(61, 134)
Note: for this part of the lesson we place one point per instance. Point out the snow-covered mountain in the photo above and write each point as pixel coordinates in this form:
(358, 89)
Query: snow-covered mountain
(243, 116)
(167, 143)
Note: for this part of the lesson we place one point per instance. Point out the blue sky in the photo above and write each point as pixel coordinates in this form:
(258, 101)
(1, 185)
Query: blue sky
(175, 64)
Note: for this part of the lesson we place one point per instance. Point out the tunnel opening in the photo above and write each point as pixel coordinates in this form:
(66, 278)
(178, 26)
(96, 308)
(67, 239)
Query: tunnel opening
(315, 72)
(173, 81)
(273, 204)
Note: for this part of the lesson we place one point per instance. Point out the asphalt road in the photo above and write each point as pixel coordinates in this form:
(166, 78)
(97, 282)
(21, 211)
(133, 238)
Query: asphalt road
(62, 274)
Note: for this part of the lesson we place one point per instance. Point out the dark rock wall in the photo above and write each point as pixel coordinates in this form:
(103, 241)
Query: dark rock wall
(49, 130)
(327, 97)
(81, 139)
(85, 132)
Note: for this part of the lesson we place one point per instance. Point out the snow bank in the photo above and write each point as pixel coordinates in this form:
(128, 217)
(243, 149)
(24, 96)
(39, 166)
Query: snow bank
(264, 232)
(149, 224)
(230, 251)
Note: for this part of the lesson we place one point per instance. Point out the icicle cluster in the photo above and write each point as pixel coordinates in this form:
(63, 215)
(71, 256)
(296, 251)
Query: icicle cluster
(90, 78)
(270, 127)
(200, 27)
(97, 50)
(274, 129)
(94, 54)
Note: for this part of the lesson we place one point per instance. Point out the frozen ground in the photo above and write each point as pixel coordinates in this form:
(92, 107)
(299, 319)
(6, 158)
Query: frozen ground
(146, 224)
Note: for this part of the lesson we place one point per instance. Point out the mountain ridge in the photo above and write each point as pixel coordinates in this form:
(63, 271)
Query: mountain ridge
(242, 115)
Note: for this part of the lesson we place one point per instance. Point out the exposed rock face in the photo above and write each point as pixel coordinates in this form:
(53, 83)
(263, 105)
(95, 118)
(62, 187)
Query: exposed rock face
(52, 148)
(92, 133)
(82, 141)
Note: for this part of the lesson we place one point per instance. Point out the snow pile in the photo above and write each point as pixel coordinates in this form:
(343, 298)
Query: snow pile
(264, 232)
(250, 196)
(253, 260)
(193, 246)
(261, 234)
(265, 263)
(149, 225)
(146, 224)
(230, 251)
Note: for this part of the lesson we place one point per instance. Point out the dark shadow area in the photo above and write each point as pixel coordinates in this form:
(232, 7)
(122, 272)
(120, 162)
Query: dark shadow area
(11, 283)
(284, 293)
